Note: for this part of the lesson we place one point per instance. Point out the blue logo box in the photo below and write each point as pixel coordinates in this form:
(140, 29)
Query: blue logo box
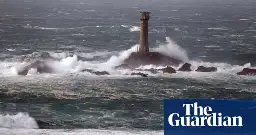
(209, 117)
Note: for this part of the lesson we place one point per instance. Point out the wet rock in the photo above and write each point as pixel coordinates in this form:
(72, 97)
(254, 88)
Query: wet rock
(206, 69)
(168, 70)
(45, 55)
(150, 58)
(247, 71)
(140, 74)
(96, 72)
(43, 125)
(40, 66)
(23, 72)
(185, 67)
(101, 73)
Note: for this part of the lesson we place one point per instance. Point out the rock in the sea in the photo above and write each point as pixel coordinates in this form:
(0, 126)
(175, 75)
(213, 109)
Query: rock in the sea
(43, 125)
(247, 71)
(140, 74)
(206, 69)
(168, 70)
(23, 71)
(101, 73)
(41, 66)
(96, 72)
(45, 55)
(151, 58)
(185, 67)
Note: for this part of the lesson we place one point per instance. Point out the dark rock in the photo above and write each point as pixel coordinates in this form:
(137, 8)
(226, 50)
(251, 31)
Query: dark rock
(96, 72)
(101, 73)
(45, 55)
(206, 69)
(168, 70)
(247, 71)
(41, 66)
(140, 74)
(151, 58)
(43, 125)
(185, 67)
(23, 72)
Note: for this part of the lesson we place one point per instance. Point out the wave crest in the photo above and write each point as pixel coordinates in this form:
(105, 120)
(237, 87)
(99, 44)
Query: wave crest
(19, 120)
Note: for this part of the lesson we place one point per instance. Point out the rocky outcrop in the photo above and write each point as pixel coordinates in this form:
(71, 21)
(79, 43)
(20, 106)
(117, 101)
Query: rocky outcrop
(140, 74)
(43, 125)
(168, 70)
(40, 66)
(247, 71)
(101, 73)
(96, 72)
(151, 58)
(206, 69)
(185, 67)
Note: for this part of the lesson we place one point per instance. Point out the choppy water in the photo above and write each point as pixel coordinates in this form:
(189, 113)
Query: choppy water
(99, 35)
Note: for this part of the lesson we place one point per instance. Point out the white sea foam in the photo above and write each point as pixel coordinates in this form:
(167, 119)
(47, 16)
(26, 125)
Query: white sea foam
(212, 46)
(45, 28)
(17, 121)
(236, 35)
(88, 55)
(11, 50)
(90, 10)
(78, 34)
(75, 132)
(125, 26)
(131, 28)
(221, 67)
(172, 49)
(244, 19)
(91, 55)
(134, 28)
(28, 26)
(217, 28)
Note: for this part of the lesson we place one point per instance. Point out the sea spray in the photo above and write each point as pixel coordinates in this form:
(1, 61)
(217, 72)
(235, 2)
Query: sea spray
(134, 28)
(172, 49)
(19, 120)
(65, 63)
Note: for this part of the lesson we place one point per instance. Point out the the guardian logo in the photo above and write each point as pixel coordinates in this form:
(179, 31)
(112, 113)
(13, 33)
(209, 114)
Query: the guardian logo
(198, 116)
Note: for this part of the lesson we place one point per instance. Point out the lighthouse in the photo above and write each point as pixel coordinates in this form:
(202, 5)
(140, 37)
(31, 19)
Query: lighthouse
(144, 47)
(143, 56)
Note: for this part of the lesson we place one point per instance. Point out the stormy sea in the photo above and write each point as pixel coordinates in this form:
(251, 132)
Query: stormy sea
(99, 35)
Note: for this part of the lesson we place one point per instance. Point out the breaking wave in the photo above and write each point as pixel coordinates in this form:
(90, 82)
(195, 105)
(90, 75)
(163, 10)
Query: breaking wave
(18, 121)
(64, 63)
(28, 26)
(172, 49)
(131, 28)
(134, 28)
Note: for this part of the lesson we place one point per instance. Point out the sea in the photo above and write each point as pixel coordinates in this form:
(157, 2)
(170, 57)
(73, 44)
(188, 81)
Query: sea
(99, 35)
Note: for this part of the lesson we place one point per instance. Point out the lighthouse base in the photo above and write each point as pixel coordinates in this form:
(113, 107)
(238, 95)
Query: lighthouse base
(151, 58)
